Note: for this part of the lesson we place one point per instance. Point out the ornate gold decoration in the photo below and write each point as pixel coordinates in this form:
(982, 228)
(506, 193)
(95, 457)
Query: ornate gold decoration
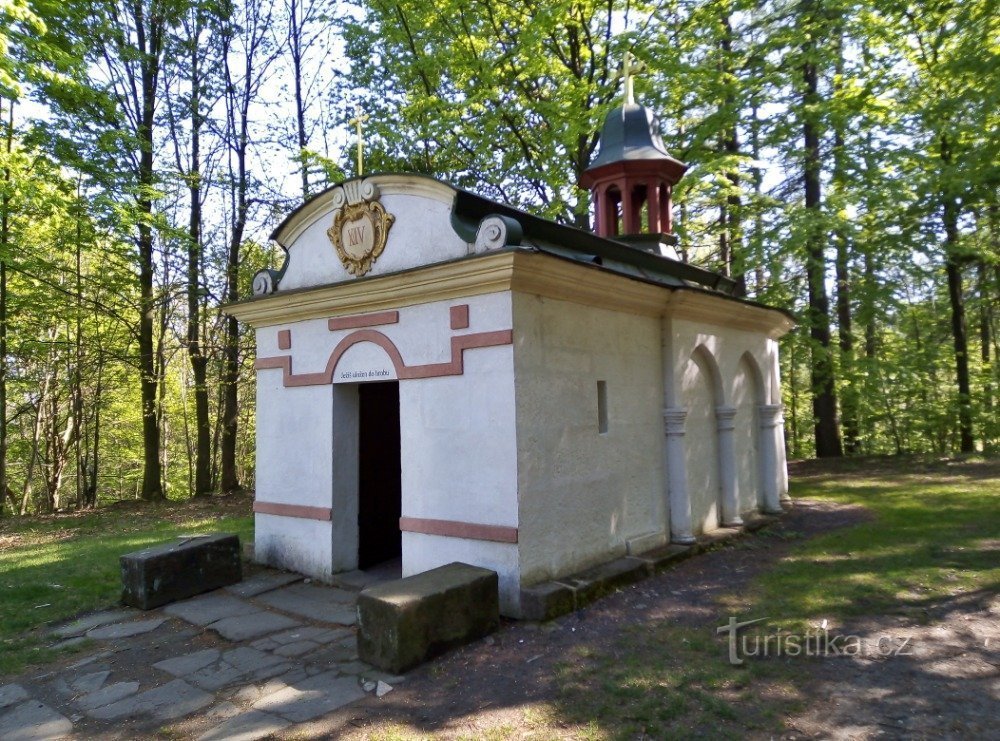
(360, 226)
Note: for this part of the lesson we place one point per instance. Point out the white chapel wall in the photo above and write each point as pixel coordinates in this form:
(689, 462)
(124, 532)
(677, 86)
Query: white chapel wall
(459, 462)
(294, 467)
(746, 398)
(701, 461)
(583, 494)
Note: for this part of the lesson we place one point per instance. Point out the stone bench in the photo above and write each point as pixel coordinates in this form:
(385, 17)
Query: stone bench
(405, 622)
(165, 573)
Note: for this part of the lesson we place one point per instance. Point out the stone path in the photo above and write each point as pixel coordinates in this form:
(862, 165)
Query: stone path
(243, 662)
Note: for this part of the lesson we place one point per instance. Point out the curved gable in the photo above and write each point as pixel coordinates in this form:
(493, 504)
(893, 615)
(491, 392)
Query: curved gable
(412, 214)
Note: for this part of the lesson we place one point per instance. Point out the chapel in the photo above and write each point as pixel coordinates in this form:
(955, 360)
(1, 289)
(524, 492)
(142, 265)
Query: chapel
(441, 377)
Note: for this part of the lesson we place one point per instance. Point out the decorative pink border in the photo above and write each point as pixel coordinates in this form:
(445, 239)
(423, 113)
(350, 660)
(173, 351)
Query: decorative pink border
(453, 529)
(454, 367)
(363, 320)
(294, 510)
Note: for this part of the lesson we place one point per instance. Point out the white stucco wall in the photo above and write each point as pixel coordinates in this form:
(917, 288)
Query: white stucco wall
(583, 494)
(701, 451)
(293, 468)
(746, 438)
(459, 461)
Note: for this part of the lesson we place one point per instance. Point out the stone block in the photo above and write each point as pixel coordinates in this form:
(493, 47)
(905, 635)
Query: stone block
(754, 521)
(708, 541)
(594, 583)
(660, 558)
(166, 573)
(546, 601)
(405, 622)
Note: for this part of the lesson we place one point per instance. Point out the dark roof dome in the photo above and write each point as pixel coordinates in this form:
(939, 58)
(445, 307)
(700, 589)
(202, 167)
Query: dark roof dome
(631, 132)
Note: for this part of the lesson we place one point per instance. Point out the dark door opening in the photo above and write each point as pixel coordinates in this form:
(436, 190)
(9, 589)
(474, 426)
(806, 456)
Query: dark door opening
(379, 486)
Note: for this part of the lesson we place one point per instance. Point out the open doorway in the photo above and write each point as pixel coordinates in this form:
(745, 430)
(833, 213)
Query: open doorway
(379, 485)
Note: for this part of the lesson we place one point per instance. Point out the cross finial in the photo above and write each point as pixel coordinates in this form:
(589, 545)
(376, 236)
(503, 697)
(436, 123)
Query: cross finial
(358, 120)
(630, 68)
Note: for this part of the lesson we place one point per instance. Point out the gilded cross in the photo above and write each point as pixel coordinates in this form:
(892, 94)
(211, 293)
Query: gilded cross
(358, 120)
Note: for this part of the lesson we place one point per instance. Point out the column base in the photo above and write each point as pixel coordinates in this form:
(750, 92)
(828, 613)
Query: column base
(683, 539)
(735, 522)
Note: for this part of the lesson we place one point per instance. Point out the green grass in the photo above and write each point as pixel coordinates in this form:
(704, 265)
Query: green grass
(54, 568)
(934, 533)
(666, 681)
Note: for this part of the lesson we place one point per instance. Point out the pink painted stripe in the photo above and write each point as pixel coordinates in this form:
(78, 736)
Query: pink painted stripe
(300, 511)
(454, 367)
(363, 320)
(453, 529)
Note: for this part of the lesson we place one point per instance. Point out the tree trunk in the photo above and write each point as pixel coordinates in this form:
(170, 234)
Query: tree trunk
(36, 438)
(152, 475)
(4, 247)
(295, 39)
(827, 434)
(850, 399)
(729, 211)
(199, 363)
(953, 270)
(985, 330)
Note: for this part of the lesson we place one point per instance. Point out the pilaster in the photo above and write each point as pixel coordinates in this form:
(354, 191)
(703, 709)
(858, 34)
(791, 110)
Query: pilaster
(771, 434)
(680, 502)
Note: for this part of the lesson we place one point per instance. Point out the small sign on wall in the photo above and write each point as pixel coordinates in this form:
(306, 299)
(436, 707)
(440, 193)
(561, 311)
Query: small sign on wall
(364, 362)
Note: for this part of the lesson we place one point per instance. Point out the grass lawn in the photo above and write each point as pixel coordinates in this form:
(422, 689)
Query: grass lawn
(53, 568)
(934, 534)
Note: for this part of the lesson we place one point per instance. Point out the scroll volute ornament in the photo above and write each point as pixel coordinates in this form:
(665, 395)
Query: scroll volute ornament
(360, 226)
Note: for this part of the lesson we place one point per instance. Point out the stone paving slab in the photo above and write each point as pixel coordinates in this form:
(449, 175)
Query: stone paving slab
(173, 700)
(82, 625)
(125, 630)
(210, 608)
(265, 581)
(111, 693)
(11, 693)
(33, 720)
(296, 649)
(89, 682)
(311, 698)
(322, 604)
(238, 664)
(247, 727)
(253, 625)
(311, 633)
(181, 666)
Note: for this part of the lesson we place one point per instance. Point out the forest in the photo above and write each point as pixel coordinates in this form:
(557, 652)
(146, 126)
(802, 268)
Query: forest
(844, 163)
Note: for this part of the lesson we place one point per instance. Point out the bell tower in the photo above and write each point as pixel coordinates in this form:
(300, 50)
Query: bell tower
(631, 178)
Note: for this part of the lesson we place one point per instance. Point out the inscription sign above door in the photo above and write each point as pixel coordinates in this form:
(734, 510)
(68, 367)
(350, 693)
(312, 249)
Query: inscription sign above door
(360, 225)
